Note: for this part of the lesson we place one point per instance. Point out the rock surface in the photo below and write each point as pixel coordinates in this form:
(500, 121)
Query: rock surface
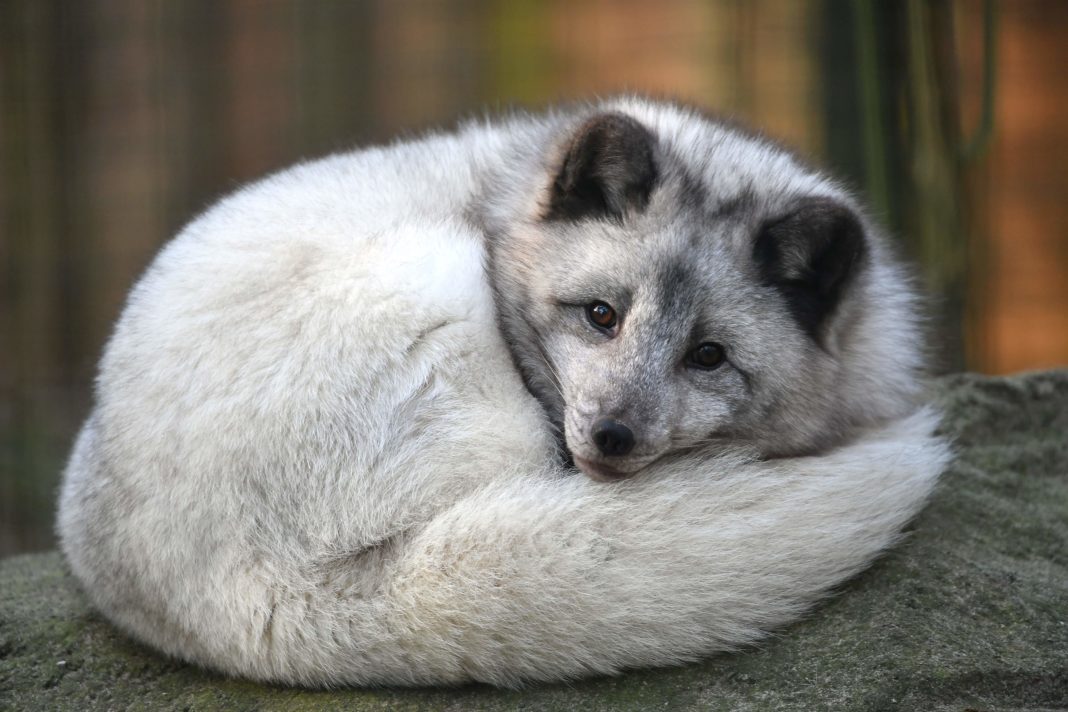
(970, 613)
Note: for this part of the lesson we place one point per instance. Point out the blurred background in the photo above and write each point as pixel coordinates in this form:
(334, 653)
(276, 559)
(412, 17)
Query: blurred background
(121, 119)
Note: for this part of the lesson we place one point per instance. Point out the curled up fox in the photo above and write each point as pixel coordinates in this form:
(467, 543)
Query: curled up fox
(554, 395)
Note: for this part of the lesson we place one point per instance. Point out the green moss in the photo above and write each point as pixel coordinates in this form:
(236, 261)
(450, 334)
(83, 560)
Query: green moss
(970, 612)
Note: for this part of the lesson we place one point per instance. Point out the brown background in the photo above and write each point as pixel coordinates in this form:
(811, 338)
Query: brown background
(120, 119)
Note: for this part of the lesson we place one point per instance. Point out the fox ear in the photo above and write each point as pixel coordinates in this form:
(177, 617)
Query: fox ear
(811, 255)
(608, 169)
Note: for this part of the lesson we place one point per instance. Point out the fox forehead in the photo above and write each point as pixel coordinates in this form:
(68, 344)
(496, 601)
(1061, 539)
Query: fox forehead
(676, 254)
(693, 295)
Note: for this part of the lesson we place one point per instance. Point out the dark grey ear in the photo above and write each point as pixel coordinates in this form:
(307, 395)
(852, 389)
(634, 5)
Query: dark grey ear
(608, 170)
(811, 255)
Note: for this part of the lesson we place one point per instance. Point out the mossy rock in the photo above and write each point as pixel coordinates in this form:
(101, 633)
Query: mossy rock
(971, 612)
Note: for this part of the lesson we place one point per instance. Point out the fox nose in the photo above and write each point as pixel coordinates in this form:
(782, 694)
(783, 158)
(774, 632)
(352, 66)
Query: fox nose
(612, 437)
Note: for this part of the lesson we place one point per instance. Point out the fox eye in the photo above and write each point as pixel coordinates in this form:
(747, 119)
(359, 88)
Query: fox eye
(601, 315)
(708, 356)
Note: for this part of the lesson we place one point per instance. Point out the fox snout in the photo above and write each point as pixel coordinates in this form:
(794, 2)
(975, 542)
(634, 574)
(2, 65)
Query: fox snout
(612, 438)
(608, 445)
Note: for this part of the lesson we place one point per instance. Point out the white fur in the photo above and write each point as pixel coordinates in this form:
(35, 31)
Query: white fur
(312, 461)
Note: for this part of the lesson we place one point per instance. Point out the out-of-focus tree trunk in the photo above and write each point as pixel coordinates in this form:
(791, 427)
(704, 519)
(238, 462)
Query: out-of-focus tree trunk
(906, 123)
(42, 317)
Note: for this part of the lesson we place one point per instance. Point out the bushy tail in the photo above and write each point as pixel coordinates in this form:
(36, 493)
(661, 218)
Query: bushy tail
(549, 578)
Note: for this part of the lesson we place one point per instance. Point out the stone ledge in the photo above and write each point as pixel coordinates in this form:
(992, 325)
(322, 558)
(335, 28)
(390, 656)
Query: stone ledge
(970, 613)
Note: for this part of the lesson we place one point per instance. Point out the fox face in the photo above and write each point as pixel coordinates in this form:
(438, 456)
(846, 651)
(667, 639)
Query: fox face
(678, 289)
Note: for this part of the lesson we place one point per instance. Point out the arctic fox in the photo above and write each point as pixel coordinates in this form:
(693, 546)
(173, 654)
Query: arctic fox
(332, 427)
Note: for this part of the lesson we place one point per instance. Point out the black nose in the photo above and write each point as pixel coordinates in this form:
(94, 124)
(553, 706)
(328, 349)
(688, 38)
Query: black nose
(612, 438)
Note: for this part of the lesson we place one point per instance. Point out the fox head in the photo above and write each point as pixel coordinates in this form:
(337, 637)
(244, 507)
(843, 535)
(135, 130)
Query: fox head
(676, 283)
